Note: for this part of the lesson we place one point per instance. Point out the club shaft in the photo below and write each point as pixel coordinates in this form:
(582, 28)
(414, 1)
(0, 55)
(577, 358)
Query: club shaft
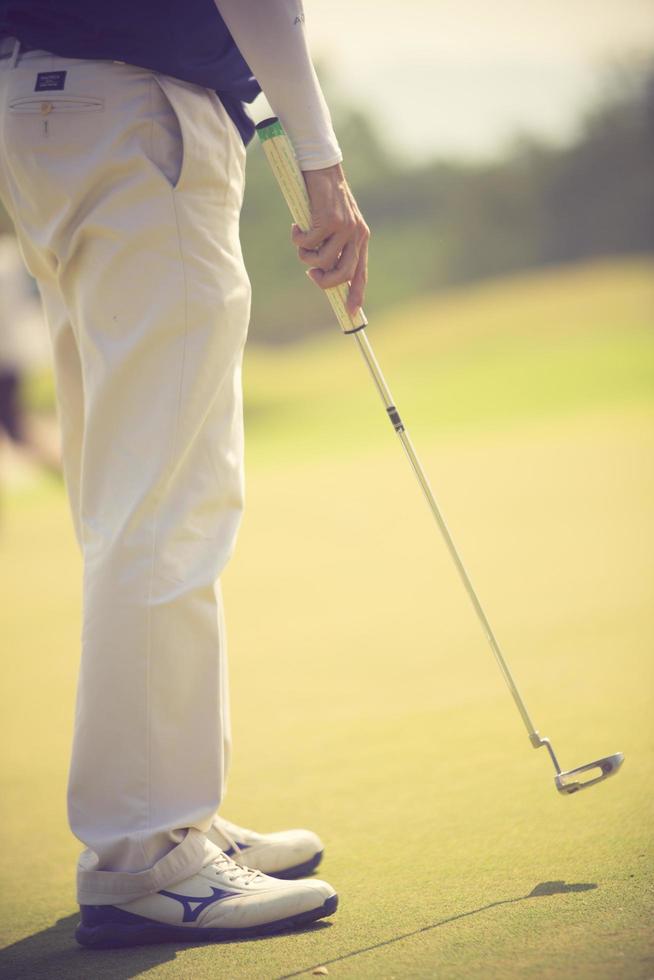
(281, 157)
(386, 397)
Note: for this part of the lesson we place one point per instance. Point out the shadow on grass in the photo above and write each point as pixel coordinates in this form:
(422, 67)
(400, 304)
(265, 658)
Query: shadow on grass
(544, 888)
(53, 952)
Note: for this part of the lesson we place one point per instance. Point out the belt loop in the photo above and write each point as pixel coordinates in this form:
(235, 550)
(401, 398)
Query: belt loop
(14, 54)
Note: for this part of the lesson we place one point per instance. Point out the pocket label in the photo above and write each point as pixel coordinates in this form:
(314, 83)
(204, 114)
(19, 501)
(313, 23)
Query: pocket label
(50, 81)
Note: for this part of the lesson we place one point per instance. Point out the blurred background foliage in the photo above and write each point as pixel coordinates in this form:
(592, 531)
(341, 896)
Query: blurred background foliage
(450, 222)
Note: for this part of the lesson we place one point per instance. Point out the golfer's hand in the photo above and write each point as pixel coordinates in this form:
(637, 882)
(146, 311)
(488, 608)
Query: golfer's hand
(336, 245)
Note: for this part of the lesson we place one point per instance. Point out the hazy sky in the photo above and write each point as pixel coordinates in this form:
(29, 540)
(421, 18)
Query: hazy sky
(461, 76)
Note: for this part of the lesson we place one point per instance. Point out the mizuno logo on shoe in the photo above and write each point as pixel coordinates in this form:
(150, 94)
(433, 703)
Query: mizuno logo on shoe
(193, 905)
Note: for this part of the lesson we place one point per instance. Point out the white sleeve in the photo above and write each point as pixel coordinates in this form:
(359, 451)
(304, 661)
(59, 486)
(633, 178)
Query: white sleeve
(271, 37)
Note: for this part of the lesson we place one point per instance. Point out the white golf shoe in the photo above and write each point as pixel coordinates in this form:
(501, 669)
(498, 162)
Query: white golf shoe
(286, 854)
(223, 901)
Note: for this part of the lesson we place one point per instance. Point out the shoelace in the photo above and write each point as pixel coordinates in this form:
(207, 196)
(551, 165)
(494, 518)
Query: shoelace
(235, 873)
(222, 829)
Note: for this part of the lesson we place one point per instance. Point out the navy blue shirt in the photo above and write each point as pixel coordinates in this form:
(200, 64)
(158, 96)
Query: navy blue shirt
(187, 39)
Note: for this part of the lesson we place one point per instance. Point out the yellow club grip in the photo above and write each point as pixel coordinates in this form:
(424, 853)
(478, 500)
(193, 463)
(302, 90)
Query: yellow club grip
(283, 163)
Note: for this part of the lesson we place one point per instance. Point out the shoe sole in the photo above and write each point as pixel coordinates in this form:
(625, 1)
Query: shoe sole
(299, 870)
(117, 935)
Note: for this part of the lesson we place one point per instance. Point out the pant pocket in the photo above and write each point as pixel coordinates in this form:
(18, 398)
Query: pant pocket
(192, 143)
(47, 103)
(69, 120)
(166, 151)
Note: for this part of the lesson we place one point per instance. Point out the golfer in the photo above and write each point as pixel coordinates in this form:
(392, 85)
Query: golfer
(122, 155)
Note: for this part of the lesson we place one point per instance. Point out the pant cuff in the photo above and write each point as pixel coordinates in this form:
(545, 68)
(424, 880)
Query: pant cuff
(118, 887)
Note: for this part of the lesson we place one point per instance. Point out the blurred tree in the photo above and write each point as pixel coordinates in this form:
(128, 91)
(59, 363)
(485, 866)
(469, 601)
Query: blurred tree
(599, 193)
(453, 222)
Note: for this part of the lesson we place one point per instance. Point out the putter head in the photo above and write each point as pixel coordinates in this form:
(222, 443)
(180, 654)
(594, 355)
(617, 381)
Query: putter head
(569, 782)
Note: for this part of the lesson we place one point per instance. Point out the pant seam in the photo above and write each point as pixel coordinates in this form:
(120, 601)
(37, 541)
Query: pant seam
(155, 528)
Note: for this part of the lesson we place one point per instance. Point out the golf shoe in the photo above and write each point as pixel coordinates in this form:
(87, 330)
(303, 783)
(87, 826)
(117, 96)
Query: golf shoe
(285, 854)
(222, 901)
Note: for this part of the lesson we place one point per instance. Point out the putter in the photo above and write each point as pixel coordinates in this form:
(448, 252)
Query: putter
(281, 157)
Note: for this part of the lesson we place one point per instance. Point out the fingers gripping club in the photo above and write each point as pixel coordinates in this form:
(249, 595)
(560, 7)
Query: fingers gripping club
(281, 157)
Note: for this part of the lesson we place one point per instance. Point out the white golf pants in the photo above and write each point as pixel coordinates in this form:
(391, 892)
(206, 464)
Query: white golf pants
(125, 188)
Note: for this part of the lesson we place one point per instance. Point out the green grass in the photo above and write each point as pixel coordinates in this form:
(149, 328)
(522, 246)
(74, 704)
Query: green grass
(366, 703)
(490, 356)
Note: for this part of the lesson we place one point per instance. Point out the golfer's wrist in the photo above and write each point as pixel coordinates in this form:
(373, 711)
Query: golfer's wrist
(320, 160)
(334, 170)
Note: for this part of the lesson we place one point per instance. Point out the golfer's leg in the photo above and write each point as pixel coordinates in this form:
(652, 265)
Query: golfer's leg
(159, 291)
(70, 403)
(133, 212)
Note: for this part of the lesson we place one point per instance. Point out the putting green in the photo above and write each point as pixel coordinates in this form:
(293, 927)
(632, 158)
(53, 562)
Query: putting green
(366, 702)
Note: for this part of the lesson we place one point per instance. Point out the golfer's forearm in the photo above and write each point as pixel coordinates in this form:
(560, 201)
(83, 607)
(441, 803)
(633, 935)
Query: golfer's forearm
(271, 37)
